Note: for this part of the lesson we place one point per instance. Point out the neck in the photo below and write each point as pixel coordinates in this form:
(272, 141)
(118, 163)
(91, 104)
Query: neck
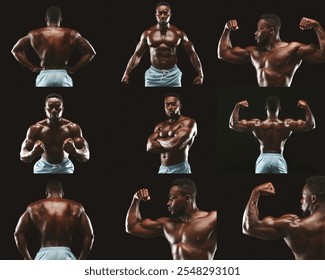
(189, 214)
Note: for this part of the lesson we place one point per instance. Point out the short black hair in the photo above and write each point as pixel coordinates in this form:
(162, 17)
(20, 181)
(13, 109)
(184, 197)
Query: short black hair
(54, 186)
(53, 14)
(173, 94)
(273, 103)
(186, 186)
(54, 95)
(316, 185)
(272, 20)
(163, 3)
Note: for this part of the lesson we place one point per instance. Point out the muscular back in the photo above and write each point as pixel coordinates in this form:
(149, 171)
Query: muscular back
(56, 219)
(272, 135)
(54, 45)
(307, 237)
(195, 239)
(163, 46)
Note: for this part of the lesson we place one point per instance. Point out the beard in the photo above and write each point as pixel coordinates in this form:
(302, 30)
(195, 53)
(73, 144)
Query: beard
(163, 26)
(173, 116)
(306, 213)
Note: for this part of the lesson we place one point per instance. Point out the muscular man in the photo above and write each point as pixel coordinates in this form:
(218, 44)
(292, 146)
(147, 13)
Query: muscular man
(56, 219)
(162, 40)
(53, 45)
(272, 133)
(275, 61)
(190, 232)
(304, 236)
(54, 139)
(173, 138)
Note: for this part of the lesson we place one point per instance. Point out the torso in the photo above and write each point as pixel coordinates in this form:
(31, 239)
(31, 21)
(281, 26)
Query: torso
(53, 45)
(169, 129)
(272, 135)
(196, 239)
(308, 240)
(53, 138)
(56, 220)
(163, 46)
(275, 67)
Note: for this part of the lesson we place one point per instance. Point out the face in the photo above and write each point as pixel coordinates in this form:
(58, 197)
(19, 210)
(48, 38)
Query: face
(306, 201)
(163, 14)
(263, 33)
(172, 107)
(177, 202)
(54, 109)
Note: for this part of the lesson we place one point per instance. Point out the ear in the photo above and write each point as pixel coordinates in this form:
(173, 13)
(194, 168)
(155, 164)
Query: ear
(187, 198)
(272, 29)
(313, 198)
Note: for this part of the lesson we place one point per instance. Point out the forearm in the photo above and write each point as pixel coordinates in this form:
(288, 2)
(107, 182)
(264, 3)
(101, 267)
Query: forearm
(27, 156)
(82, 155)
(133, 62)
(320, 35)
(86, 247)
(309, 119)
(224, 44)
(196, 64)
(251, 214)
(22, 246)
(173, 143)
(21, 57)
(234, 117)
(154, 146)
(83, 61)
(133, 216)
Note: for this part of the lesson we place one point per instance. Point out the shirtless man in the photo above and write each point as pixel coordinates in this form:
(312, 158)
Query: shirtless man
(304, 236)
(56, 219)
(162, 40)
(54, 139)
(190, 232)
(275, 61)
(173, 138)
(272, 133)
(53, 45)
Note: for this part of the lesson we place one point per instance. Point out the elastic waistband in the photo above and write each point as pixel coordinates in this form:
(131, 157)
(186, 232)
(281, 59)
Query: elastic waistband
(54, 248)
(164, 70)
(271, 154)
(53, 71)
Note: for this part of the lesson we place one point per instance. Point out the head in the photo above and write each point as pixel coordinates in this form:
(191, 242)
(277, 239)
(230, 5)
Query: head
(163, 13)
(53, 15)
(53, 107)
(182, 196)
(268, 28)
(272, 105)
(313, 194)
(54, 188)
(172, 105)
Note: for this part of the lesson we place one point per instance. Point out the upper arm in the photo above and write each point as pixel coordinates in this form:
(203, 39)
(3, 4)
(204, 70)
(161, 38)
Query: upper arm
(24, 222)
(246, 125)
(295, 125)
(270, 228)
(85, 224)
(142, 45)
(83, 45)
(23, 44)
(147, 228)
(76, 135)
(32, 136)
(311, 53)
(236, 55)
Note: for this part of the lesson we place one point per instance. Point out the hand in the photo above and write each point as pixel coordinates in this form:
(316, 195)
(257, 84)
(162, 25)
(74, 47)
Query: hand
(68, 145)
(265, 189)
(302, 104)
(232, 25)
(243, 103)
(39, 147)
(307, 23)
(142, 194)
(125, 79)
(198, 81)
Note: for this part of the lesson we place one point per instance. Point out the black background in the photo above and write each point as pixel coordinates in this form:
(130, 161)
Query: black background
(117, 119)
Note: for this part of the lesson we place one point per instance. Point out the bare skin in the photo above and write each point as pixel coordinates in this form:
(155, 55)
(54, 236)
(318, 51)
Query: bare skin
(190, 232)
(304, 236)
(53, 45)
(272, 132)
(275, 61)
(54, 138)
(56, 219)
(162, 40)
(173, 137)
